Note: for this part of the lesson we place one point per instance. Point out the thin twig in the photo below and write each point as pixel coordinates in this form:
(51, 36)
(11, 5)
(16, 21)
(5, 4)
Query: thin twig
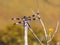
(43, 28)
(54, 32)
(41, 23)
(26, 34)
(36, 36)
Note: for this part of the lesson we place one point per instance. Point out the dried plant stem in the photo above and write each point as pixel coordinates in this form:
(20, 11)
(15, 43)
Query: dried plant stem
(41, 23)
(45, 32)
(43, 28)
(36, 36)
(26, 34)
(54, 32)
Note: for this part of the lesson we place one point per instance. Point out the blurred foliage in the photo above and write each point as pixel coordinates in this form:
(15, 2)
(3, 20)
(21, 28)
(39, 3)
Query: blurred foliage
(14, 35)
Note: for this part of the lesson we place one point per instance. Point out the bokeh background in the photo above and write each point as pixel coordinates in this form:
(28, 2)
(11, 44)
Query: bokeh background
(49, 11)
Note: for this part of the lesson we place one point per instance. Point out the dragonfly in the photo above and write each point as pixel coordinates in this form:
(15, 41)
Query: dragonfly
(26, 19)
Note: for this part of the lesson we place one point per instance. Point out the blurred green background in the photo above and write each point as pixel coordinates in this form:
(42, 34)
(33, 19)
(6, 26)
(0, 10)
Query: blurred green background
(14, 35)
(18, 8)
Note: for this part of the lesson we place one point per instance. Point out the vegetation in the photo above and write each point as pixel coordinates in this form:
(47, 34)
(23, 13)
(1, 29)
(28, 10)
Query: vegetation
(14, 35)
